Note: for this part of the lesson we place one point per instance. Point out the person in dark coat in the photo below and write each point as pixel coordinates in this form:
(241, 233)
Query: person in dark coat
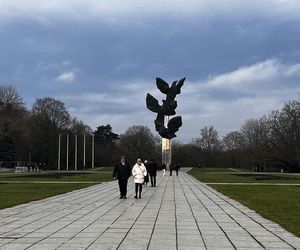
(171, 169)
(153, 170)
(122, 172)
(177, 168)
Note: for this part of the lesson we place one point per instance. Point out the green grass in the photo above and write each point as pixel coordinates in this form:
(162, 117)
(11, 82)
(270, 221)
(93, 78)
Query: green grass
(12, 194)
(243, 177)
(58, 176)
(215, 170)
(105, 169)
(280, 204)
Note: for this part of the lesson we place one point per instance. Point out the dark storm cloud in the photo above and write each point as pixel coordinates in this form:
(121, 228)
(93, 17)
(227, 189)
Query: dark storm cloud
(102, 58)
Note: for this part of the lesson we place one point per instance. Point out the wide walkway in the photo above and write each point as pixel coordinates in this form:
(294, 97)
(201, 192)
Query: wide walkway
(180, 213)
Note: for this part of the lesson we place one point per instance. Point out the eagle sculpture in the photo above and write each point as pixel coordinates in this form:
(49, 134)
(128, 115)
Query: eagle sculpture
(167, 108)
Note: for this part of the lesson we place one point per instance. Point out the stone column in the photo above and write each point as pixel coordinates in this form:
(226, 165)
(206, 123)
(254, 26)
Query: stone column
(166, 147)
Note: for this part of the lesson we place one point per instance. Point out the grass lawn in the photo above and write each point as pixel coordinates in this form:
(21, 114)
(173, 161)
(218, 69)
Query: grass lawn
(94, 176)
(212, 170)
(211, 176)
(280, 204)
(12, 194)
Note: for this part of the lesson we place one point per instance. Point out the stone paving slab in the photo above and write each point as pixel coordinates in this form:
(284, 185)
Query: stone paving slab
(181, 213)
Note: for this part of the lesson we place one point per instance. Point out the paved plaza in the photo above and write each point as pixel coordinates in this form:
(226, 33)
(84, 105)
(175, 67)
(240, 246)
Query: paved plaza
(180, 213)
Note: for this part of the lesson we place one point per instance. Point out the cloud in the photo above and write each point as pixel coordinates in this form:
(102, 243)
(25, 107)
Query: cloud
(251, 78)
(258, 72)
(82, 9)
(227, 100)
(262, 87)
(67, 77)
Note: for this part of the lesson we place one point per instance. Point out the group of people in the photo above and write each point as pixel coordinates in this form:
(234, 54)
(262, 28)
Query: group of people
(141, 173)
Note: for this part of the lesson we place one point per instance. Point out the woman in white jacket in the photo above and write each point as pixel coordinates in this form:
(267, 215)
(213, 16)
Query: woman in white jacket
(138, 172)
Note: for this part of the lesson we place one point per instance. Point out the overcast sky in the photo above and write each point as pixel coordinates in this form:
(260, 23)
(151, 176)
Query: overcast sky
(241, 58)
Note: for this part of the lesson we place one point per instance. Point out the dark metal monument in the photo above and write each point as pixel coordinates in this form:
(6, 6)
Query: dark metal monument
(165, 126)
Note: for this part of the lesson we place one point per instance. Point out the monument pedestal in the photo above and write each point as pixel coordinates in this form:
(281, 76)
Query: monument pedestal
(166, 152)
(166, 147)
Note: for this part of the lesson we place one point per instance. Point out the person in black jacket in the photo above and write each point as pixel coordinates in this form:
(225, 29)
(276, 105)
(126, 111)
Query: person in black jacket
(153, 169)
(122, 172)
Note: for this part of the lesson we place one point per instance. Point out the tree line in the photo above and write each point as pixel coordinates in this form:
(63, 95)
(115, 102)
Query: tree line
(267, 143)
(271, 142)
(32, 135)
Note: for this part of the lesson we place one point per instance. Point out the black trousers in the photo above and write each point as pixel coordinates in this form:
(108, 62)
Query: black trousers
(153, 180)
(138, 188)
(123, 187)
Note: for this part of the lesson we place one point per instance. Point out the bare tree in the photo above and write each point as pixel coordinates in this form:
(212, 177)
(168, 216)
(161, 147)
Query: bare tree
(10, 99)
(256, 135)
(285, 135)
(52, 110)
(210, 146)
(139, 142)
(13, 122)
(49, 117)
(233, 145)
(79, 127)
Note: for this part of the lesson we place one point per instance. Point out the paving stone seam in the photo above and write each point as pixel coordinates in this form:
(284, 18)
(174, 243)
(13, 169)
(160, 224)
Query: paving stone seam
(54, 220)
(192, 213)
(78, 217)
(107, 227)
(140, 215)
(25, 211)
(113, 199)
(161, 202)
(209, 212)
(216, 193)
(114, 222)
(41, 211)
(175, 214)
(231, 217)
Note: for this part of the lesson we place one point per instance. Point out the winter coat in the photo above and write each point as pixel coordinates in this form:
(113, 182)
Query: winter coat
(122, 172)
(139, 172)
(153, 168)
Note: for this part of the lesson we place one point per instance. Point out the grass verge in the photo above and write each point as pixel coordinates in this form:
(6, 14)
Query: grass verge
(24, 191)
(280, 204)
(98, 176)
(210, 176)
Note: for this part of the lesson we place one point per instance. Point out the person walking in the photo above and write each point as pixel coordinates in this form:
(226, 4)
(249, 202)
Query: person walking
(171, 169)
(177, 168)
(153, 170)
(146, 180)
(122, 172)
(164, 167)
(139, 172)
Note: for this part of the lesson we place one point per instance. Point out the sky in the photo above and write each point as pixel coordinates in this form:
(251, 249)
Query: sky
(241, 59)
